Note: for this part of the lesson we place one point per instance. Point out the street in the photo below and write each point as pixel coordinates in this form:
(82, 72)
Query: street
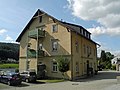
(105, 80)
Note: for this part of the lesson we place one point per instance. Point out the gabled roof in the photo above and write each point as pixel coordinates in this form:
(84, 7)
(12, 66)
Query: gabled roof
(72, 27)
(27, 26)
(76, 28)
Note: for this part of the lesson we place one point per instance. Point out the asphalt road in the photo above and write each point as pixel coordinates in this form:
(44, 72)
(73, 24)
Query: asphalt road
(105, 80)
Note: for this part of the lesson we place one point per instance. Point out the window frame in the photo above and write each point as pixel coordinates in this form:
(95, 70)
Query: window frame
(54, 67)
(40, 19)
(77, 46)
(54, 42)
(54, 28)
(77, 67)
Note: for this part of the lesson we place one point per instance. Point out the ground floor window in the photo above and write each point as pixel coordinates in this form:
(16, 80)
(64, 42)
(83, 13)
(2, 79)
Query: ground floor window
(28, 65)
(54, 67)
(77, 67)
(85, 67)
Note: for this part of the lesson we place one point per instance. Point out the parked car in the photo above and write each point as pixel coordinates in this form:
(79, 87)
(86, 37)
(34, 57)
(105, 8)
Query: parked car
(29, 76)
(11, 78)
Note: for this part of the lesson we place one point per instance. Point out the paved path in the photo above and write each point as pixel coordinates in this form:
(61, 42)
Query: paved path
(105, 80)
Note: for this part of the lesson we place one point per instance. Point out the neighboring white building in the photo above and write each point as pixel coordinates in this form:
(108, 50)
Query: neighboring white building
(115, 59)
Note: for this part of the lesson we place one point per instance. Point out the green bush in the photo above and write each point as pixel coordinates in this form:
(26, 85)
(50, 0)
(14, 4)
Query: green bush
(113, 67)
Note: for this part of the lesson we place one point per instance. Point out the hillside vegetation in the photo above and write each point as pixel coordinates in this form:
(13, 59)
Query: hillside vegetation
(9, 51)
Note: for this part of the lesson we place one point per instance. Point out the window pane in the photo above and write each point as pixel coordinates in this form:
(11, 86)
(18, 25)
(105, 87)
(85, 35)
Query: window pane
(54, 45)
(54, 66)
(40, 19)
(54, 28)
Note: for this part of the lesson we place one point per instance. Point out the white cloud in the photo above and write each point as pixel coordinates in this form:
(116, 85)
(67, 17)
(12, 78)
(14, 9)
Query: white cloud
(96, 31)
(8, 38)
(105, 12)
(2, 31)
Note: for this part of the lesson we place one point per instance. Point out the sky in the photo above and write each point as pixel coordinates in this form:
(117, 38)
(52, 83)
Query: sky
(100, 17)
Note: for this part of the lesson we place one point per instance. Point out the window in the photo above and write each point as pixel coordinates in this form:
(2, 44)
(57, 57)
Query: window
(28, 65)
(42, 28)
(54, 28)
(77, 67)
(40, 19)
(94, 52)
(77, 46)
(91, 64)
(87, 50)
(54, 67)
(82, 31)
(40, 46)
(89, 36)
(84, 49)
(85, 34)
(54, 45)
(90, 50)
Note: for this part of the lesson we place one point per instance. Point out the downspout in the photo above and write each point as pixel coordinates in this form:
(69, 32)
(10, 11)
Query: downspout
(37, 53)
(27, 54)
(82, 56)
(71, 58)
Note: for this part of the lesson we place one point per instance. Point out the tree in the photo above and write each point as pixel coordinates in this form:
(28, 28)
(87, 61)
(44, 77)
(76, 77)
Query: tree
(105, 59)
(103, 56)
(63, 64)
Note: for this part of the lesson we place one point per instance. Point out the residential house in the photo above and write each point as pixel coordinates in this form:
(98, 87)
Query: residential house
(45, 39)
(116, 61)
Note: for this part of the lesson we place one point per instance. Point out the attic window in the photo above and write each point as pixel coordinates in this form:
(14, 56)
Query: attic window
(80, 30)
(84, 32)
(40, 19)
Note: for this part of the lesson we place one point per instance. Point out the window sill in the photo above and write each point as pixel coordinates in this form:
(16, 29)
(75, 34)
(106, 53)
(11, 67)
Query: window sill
(54, 71)
(54, 51)
(77, 72)
(55, 32)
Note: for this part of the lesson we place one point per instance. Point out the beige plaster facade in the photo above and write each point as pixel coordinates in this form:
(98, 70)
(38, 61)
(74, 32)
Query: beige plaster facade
(70, 44)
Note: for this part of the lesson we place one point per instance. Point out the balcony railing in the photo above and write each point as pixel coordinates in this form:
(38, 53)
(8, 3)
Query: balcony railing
(32, 53)
(33, 33)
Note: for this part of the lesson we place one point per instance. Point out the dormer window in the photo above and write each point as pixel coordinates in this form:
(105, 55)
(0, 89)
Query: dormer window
(82, 31)
(89, 36)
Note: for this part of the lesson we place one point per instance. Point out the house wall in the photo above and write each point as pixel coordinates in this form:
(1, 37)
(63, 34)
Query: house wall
(64, 46)
(48, 61)
(81, 57)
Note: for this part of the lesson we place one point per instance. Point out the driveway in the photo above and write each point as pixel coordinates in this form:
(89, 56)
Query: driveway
(105, 80)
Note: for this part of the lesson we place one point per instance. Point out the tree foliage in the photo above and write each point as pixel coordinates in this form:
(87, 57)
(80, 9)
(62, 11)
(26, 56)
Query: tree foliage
(105, 59)
(9, 50)
(103, 56)
(63, 64)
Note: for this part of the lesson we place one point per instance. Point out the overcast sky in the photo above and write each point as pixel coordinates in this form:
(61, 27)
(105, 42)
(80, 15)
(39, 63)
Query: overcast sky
(100, 17)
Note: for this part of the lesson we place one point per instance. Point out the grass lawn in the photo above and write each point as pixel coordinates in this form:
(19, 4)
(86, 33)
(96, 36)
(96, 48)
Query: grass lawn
(52, 81)
(3, 66)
